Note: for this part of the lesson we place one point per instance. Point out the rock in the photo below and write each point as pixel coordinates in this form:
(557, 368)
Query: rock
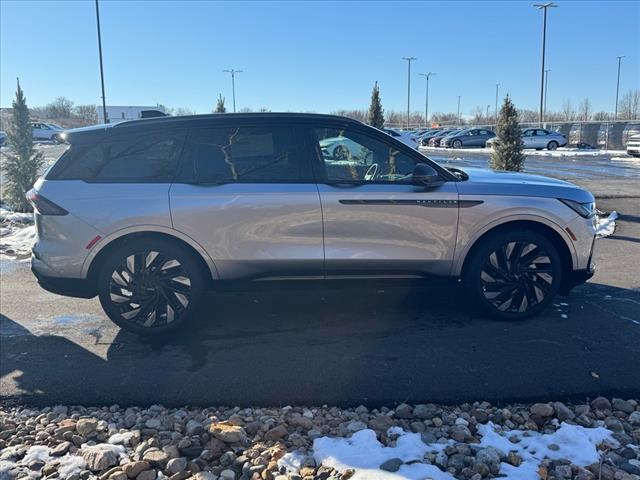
(391, 465)
(403, 411)
(563, 471)
(489, 456)
(301, 421)
(543, 410)
(601, 403)
(634, 419)
(460, 433)
(156, 457)
(147, 475)
(381, 423)
(133, 469)
(514, 459)
(205, 476)
(176, 465)
(193, 428)
(119, 475)
(480, 415)
(428, 438)
(563, 412)
(424, 412)
(614, 424)
(356, 426)
(228, 475)
(630, 468)
(228, 433)
(153, 423)
(60, 449)
(622, 405)
(86, 426)
(482, 469)
(102, 456)
(456, 461)
(276, 433)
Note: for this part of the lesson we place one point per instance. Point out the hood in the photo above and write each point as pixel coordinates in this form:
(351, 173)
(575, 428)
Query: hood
(488, 182)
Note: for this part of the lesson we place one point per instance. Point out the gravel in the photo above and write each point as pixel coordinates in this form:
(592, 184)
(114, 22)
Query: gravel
(218, 443)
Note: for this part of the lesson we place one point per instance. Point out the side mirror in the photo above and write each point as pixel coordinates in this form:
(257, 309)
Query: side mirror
(425, 176)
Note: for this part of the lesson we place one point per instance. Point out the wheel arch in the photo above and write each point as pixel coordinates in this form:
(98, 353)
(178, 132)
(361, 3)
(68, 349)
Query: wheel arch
(554, 235)
(113, 241)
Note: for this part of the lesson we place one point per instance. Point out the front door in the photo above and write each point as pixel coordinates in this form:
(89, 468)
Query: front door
(375, 220)
(247, 195)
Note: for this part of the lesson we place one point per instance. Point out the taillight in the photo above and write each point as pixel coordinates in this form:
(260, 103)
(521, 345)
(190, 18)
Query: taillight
(44, 206)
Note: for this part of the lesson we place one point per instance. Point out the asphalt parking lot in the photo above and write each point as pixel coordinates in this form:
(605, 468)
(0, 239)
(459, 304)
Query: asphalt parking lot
(334, 343)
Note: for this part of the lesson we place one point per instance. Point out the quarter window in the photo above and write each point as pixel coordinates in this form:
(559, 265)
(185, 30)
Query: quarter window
(243, 155)
(350, 156)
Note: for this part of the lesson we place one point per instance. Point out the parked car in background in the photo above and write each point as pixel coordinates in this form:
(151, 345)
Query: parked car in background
(633, 145)
(537, 138)
(3, 138)
(631, 129)
(584, 135)
(435, 140)
(148, 214)
(339, 148)
(472, 137)
(47, 131)
(405, 137)
(610, 136)
(425, 137)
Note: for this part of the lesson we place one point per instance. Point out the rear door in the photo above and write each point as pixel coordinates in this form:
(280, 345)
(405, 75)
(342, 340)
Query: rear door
(246, 193)
(376, 222)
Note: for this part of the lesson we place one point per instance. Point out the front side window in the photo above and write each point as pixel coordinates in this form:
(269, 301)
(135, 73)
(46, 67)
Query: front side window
(124, 158)
(351, 156)
(243, 154)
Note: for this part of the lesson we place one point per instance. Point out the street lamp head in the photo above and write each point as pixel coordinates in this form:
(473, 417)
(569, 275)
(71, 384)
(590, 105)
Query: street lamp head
(409, 58)
(540, 6)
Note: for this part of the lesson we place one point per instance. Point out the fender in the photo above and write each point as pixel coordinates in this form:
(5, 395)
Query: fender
(460, 254)
(149, 229)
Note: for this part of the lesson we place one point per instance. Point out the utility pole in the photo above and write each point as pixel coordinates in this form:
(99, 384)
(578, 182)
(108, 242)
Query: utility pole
(497, 85)
(546, 86)
(488, 106)
(233, 85)
(104, 100)
(409, 60)
(426, 101)
(458, 109)
(618, 85)
(544, 7)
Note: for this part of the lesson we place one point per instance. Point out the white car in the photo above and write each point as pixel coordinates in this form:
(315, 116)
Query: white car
(633, 146)
(537, 138)
(341, 148)
(46, 131)
(408, 138)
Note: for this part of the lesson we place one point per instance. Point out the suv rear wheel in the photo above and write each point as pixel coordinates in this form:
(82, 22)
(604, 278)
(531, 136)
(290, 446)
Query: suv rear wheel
(514, 274)
(149, 286)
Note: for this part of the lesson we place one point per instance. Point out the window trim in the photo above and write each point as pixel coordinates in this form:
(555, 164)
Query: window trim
(298, 146)
(320, 166)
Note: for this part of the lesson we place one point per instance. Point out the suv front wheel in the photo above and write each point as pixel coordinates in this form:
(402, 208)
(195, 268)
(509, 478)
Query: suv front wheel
(149, 286)
(513, 274)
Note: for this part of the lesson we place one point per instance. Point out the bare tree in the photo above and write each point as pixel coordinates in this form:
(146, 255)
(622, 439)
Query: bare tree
(600, 116)
(585, 110)
(569, 113)
(528, 116)
(360, 115)
(183, 111)
(629, 106)
(86, 113)
(61, 107)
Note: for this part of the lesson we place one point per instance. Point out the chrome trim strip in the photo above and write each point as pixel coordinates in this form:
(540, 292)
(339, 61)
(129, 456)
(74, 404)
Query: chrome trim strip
(432, 203)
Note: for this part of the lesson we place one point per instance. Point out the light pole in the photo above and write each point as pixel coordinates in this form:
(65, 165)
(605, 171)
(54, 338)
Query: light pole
(458, 109)
(426, 98)
(488, 107)
(546, 86)
(545, 7)
(618, 85)
(497, 86)
(104, 100)
(409, 60)
(233, 85)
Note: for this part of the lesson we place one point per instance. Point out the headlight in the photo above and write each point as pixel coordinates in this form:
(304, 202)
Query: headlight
(586, 210)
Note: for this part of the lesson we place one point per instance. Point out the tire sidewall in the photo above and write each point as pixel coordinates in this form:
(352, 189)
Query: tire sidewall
(173, 249)
(552, 145)
(476, 264)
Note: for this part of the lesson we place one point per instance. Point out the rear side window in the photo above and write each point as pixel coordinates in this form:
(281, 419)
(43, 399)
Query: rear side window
(150, 157)
(243, 154)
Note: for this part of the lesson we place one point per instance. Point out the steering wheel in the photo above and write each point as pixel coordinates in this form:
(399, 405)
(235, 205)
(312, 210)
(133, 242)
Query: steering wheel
(371, 172)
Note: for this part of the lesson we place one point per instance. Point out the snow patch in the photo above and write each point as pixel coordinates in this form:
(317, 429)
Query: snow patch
(292, 461)
(606, 226)
(364, 453)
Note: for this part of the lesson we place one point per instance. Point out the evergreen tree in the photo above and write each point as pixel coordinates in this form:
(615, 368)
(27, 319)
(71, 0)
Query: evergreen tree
(375, 117)
(220, 108)
(22, 164)
(507, 150)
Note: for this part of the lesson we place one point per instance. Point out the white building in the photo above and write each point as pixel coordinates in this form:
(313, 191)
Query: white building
(122, 113)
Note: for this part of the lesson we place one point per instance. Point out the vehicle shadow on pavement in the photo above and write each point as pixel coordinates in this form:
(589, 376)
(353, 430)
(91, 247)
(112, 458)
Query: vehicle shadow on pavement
(370, 344)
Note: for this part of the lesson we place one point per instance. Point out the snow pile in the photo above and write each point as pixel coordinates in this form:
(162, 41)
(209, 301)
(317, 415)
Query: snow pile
(365, 454)
(17, 234)
(68, 465)
(606, 226)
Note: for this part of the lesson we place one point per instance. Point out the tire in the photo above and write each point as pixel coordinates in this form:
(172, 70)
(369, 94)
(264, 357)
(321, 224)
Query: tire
(456, 144)
(56, 138)
(143, 291)
(552, 145)
(513, 274)
(341, 152)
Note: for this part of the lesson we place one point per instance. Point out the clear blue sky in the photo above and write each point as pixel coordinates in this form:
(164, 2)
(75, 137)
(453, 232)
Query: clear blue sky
(316, 56)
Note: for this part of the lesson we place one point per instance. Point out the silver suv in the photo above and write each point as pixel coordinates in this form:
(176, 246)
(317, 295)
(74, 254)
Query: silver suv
(147, 214)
